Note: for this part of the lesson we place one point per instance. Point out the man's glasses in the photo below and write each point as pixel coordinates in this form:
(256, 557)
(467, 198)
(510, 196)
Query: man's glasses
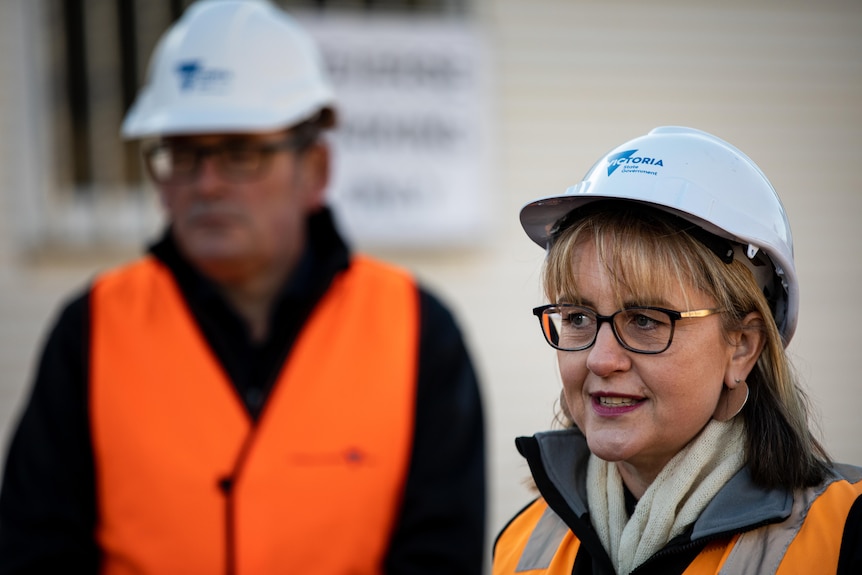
(569, 327)
(177, 163)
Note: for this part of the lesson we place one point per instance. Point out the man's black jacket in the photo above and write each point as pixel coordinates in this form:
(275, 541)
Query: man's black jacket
(48, 498)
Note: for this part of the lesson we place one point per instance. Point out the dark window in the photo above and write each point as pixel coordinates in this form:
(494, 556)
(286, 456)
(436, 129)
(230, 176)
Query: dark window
(99, 60)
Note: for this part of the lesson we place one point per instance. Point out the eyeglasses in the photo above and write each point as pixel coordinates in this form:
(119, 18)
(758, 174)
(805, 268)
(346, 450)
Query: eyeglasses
(172, 163)
(569, 327)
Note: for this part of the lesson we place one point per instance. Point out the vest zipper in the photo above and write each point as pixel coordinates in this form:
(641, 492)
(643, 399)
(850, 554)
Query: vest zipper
(226, 485)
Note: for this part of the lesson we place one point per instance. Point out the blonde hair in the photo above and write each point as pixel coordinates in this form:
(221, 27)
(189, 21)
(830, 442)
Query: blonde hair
(646, 252)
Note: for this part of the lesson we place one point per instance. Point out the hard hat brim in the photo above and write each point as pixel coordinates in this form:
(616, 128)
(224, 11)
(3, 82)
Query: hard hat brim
(179, 122)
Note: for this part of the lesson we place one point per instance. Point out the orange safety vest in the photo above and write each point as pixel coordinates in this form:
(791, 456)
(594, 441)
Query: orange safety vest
(186, 483)
(537, 541)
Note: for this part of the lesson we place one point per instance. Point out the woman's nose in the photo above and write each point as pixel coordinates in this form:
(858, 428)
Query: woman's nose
(607, 355)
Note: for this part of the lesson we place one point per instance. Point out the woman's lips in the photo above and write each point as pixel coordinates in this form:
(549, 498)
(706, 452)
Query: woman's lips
(609, 405)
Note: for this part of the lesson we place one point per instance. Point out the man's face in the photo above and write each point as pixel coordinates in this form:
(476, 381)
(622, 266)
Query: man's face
(235, 221)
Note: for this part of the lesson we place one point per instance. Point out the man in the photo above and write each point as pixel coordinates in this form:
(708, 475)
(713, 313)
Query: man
(248, 397)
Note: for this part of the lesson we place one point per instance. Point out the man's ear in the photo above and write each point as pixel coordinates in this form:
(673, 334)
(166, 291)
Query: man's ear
(314, 175)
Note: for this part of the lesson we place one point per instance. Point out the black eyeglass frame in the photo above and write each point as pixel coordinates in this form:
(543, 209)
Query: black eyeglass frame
(600, 319)
(266, 150)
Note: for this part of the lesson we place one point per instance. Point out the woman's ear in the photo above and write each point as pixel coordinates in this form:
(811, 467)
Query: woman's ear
(748, 341)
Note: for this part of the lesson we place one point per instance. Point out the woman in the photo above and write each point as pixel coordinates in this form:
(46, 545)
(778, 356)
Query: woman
(673, 295)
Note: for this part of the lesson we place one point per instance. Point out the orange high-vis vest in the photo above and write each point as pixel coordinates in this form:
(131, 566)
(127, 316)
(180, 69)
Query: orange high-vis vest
(538, 542)
(186, 483)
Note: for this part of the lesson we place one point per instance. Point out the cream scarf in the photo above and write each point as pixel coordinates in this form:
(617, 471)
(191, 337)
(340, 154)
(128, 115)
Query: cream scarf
(672, 502)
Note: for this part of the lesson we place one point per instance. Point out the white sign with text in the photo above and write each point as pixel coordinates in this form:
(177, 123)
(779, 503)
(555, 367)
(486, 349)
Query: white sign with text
(411, 151)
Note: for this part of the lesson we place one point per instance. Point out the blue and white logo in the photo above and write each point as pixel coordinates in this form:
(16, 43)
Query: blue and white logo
(194, 76)
(632, 163)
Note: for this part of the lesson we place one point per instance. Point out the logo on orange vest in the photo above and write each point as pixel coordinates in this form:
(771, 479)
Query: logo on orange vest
(351, 456)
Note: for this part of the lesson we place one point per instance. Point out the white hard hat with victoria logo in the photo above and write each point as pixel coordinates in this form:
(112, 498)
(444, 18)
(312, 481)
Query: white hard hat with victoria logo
(704, 180)
(230, 66)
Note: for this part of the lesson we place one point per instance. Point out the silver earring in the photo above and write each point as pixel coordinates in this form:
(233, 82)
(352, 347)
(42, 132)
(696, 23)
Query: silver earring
(731, 401)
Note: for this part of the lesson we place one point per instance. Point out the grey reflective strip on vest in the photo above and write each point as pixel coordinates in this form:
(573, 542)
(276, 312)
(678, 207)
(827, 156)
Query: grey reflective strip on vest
(543, 543)
(761, 551)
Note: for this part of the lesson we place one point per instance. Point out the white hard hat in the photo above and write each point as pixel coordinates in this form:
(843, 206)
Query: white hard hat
(706, 181)
(230, 66)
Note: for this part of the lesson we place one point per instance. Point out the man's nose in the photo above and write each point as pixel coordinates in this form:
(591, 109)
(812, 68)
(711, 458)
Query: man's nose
(208, 178)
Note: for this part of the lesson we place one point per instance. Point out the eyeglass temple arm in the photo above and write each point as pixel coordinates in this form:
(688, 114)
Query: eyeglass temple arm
(698, 313)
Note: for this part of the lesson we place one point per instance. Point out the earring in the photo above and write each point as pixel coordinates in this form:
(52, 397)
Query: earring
(731, 401)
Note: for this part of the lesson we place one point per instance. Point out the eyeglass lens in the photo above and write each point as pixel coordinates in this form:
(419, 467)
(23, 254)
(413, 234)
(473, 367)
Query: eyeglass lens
(575, 328)
(175, 163)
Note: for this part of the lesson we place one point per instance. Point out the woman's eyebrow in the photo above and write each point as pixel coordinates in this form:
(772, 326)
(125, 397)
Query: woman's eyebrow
(575, 300)
(648, 302)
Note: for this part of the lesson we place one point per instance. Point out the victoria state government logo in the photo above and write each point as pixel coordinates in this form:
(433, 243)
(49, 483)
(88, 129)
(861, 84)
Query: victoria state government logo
(193, 75)
(630, 162)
